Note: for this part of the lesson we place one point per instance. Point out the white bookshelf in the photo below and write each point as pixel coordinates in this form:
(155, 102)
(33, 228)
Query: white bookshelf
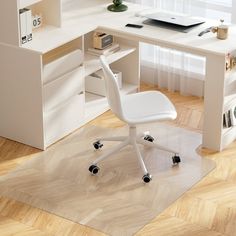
(43, 98)
(24, 117)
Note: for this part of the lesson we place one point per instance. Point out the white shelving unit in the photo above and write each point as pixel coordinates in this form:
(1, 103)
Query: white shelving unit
(37, 109)
(43, 94)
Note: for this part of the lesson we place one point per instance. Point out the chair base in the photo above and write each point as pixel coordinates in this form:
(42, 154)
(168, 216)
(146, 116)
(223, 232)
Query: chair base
(133, 139)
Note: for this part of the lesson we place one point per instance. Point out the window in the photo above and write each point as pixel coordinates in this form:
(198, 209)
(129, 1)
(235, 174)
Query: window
(215, 9)
(178, 70)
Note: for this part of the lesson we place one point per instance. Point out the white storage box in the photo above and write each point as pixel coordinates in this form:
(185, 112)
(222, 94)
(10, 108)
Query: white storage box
(95, 83)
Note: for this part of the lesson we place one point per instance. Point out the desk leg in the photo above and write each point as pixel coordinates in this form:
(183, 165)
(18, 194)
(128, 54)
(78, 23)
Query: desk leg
(213, 102)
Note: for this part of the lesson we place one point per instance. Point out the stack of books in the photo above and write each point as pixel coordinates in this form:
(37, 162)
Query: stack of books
(106, 51)
(229, 118)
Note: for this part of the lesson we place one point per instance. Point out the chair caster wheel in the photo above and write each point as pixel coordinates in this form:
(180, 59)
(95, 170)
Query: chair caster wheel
(97, 145)
(94, 169)
(147, 178)
(176, 160)
(148, 138)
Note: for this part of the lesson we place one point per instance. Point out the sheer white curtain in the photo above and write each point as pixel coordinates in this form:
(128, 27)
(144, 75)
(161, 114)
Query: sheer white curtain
(173, 69)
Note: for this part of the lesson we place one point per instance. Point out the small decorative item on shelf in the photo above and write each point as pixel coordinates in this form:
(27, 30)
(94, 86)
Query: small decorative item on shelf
(36, 21)
(102, 40)
(230, 62)
(221, 30)
(117, 6)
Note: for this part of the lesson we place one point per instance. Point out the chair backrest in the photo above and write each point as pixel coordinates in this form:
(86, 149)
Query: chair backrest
(112, 89)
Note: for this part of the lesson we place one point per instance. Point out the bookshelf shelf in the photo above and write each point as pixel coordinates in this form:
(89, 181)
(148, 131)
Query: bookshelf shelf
(91, 62)
(40, 42)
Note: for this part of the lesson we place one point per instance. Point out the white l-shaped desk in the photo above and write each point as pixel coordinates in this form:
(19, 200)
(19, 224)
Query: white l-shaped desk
(79, 20)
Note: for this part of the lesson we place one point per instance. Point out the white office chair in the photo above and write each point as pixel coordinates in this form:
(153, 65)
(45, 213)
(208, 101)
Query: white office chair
(134, 109)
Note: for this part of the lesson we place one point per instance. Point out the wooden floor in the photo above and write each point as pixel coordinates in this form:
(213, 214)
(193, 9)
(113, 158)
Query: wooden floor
(208, 209)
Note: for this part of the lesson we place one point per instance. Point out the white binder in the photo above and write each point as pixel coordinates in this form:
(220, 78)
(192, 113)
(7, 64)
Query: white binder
(23, 30)
(25, 25)
(29, 25)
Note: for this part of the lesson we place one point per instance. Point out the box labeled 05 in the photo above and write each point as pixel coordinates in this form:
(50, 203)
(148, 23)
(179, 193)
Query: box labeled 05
(36, 21)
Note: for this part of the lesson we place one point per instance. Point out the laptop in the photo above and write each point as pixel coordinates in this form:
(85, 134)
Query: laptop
(172, 21)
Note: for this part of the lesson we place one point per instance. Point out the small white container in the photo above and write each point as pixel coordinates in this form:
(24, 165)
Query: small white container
(95, 83)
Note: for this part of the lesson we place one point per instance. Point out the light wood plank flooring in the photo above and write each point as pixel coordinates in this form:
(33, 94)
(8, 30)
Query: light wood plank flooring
(208, 209)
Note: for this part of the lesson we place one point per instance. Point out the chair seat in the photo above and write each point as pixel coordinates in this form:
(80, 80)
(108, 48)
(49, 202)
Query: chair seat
(147, 107)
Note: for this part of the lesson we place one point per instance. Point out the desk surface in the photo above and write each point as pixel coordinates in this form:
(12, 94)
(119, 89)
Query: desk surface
(80, 17)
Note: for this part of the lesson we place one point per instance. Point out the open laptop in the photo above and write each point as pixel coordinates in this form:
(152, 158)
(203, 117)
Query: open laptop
(172, 21)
